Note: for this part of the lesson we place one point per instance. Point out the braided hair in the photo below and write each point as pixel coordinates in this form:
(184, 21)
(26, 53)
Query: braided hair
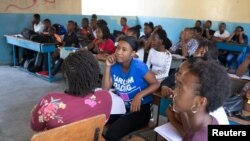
(81, 72)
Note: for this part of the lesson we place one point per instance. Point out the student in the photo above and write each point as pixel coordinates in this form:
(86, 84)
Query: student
(198, 33)
(207, 32)
(222, 34)
(70, 38)
(102, 44)
(133, 81)
(135, 32)
(61, 108)
(206, 49)
(55, 56)
(93, 23)
(187, 44)
(124, 24)
(102, 22)
(47, 25)
(125, 27)
(198, 24)
(241, 70)
(37, 25)
(237, 37)
(161, 64)
(148, 29)
(201, 87)
(83, 34)
(246, 94)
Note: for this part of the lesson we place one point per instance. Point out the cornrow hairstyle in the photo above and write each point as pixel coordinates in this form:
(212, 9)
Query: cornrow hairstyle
(213, 80)
(105, 31)
(163, 36)
(81, 72)
(135, 30)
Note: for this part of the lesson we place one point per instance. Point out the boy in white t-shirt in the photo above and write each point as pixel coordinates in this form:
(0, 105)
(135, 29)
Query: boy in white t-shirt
(222, 34)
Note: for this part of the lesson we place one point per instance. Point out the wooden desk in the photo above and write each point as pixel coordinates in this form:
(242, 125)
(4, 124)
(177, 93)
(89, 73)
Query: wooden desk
(232, 47)
(38, 47)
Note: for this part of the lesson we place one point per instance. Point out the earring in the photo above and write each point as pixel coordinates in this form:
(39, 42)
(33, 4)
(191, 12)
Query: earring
(194, 109)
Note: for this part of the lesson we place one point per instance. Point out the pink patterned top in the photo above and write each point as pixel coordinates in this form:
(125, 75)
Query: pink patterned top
(57, 109)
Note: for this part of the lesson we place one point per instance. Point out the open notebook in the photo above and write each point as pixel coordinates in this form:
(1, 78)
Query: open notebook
(244, 77)
(169, 132)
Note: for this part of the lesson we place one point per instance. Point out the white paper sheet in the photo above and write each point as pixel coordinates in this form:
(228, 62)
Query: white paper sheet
(244, 77)
(169, 132)
(118, 106)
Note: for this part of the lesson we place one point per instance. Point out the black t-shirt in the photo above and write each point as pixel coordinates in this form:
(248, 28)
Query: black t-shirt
(211, 32)
(71, 40)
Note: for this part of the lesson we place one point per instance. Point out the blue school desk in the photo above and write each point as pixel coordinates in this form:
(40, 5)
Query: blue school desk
(38, 47)
(232, 47)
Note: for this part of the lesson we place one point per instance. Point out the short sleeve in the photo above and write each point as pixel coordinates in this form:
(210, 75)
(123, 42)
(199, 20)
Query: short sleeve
(109, 46)
(216, 34)
(35, 124)
(142, 68)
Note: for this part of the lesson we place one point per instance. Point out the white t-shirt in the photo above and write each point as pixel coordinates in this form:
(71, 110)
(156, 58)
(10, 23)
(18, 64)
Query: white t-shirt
(39, 27)
(140, 54)
(225, 34)
(159, 63)
(221, 116)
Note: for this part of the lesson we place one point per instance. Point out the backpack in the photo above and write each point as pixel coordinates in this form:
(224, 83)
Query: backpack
(60, 30)
(40, 38)
(233, 105)
(27, 33)
(29, 64)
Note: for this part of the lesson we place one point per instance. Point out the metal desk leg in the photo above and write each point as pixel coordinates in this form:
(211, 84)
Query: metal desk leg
(14, 55)
(49, 66)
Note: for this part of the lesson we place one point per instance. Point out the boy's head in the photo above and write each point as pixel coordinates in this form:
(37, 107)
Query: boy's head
(208, 24)
(85, 22)
(36, 18)
(187, 34)
(148, 28)
(222, 27)
(93, 21)
(238, 30)
(71, 26)
(47, 23)
(198, 23)
(123, 21)
(52, 30)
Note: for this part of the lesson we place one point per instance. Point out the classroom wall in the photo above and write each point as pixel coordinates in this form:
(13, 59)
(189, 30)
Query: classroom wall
(41, 6)
(173, 15)
(14, 23)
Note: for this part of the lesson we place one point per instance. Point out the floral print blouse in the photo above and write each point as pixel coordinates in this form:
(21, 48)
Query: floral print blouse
(57, 109)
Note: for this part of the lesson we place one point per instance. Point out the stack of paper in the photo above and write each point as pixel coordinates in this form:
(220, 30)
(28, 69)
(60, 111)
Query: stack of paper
(244, 77)
(169, 132)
